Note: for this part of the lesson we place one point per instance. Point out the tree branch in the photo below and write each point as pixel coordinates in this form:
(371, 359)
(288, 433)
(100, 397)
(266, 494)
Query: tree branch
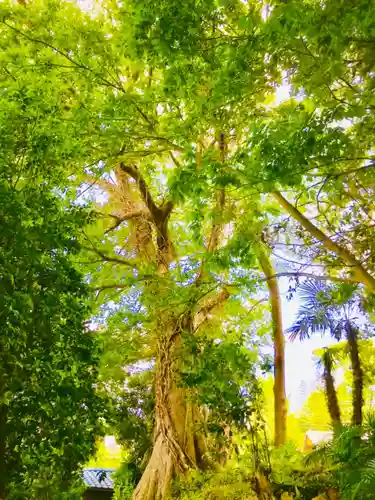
(108, 258)
(317, 277)
(160, 216)
(110, 286)
(120, 286)
(136, 214)
(217, 226)
(202, 315)
(134, 173)
(216, 231)
(361, 274)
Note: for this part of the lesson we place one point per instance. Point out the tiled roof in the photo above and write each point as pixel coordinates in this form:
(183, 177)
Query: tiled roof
(98, 478)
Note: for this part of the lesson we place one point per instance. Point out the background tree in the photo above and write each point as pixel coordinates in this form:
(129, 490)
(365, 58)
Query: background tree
(333, 310)
(322, 161)
(48, 407)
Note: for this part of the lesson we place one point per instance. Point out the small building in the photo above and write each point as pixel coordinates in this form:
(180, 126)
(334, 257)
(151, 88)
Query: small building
(315, 438)
(99, 484)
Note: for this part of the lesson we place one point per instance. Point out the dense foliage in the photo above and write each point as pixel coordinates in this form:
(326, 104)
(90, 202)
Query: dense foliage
(48, 359)
(222, 145)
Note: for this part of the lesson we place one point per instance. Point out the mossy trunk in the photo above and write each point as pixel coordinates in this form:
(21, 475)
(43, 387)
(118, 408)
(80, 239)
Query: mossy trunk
(330, 392)
(179, 443)
(352, 337)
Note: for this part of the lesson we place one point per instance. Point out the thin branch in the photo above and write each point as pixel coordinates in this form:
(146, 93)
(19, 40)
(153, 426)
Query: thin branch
(137, 214)
(254, 306)
(108, 258)
(303, 264)
(111, 286)
(122, 286)
(143, 153)
(174, 159)
(296, 274)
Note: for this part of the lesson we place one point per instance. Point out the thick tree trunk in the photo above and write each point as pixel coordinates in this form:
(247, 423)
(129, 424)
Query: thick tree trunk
(179, 443)
(331, 394)
(352, 337)
(279, 348)
(361, 274)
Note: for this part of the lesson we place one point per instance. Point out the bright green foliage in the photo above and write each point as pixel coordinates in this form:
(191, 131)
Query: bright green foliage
(223, 373)
(183, 94)
(290, 475)
(238, 479)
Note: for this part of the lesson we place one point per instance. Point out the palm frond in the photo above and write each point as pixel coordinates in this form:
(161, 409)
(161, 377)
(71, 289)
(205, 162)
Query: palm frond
(317, 313)
(321, 455)
(313, 293)
(310, 321)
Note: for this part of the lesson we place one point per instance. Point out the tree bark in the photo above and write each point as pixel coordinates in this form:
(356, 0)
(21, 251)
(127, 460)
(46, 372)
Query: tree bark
(360, 273)
(330, 391)
(352, 337)
(179, 443)
(279, 348)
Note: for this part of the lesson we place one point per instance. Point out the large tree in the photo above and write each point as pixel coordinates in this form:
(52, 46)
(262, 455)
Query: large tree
(157, 146)
(168, 112)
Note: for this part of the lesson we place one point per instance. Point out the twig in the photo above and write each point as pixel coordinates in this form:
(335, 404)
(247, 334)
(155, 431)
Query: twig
(317, 277)
(108, 258)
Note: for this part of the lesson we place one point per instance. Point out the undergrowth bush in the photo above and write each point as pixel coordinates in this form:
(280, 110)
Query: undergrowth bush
(290, 474)
(125, 481)
(350, 457)
(234, 482)
(343, 468)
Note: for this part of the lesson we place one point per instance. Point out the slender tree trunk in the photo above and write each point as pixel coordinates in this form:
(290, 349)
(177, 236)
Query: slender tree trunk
(360, 273)
(352, 337)
(179, 443)
(279, 348)
(330, 391)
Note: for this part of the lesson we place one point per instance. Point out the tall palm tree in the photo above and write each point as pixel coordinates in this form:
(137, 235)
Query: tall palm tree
(328, 358)
(333, 310)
